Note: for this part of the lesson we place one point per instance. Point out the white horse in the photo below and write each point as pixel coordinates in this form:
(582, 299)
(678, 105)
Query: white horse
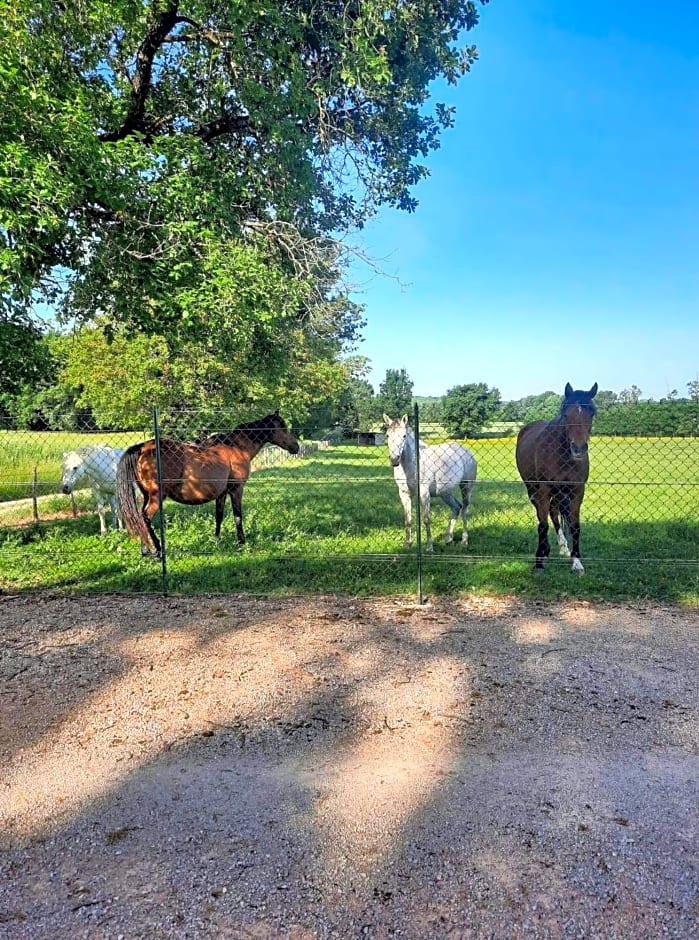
(443, 467)
(94, 465)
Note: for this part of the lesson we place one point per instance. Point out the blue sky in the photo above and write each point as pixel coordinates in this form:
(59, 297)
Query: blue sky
(557, 237)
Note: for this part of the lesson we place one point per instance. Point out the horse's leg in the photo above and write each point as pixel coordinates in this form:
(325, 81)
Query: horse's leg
(220, 509)
(558, 528)
(111, 499)
(101, 513)
(455, 506)
(466, 488)
(405, 499)
(425, 503)
(571, 510)
(117, 521)
(542, 506)
(151, 505)
(236, 491)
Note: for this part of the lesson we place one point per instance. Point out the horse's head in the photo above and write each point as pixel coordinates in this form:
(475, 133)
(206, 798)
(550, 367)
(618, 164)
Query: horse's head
(396, 436)
(72, 470)
(577, 412)
(280, 434)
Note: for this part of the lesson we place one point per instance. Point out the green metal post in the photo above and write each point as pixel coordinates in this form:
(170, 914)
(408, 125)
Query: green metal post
(418, 507)
(161, 513)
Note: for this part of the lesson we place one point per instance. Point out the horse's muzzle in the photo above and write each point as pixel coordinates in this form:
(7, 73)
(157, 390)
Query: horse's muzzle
(66, 489)
(394, 461)
(578, 451)
(294, 448)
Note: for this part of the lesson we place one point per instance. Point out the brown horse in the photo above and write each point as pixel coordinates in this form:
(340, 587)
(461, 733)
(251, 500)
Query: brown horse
(194, 474)
(552, 459)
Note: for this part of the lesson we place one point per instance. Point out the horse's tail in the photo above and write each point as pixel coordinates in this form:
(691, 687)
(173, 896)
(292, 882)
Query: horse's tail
(126, 493)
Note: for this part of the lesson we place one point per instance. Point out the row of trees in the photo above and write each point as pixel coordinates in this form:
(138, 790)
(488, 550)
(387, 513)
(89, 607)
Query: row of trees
(463, 411)
(624, 413)
(84, 381)
(470, 409)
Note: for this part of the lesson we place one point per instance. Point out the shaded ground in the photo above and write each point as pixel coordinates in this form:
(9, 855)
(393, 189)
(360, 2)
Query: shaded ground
(236, 767)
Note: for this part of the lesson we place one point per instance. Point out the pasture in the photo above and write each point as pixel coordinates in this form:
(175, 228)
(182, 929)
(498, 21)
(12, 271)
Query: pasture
(332, 522)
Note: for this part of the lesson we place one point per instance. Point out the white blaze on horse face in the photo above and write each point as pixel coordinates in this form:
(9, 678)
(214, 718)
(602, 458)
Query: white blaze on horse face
(579, 428)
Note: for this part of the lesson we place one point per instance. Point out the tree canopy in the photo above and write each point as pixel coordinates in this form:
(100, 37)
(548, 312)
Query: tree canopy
(152, 146)
(468, 408)
(395, 396)
(24, 358)
(187, 169)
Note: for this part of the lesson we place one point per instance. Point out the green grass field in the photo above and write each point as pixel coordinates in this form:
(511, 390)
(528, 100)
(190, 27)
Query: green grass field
(333, 523)
(23, 451)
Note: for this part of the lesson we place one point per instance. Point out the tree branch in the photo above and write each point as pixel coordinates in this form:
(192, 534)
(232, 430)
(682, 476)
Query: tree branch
(228, 124)
(141, 83)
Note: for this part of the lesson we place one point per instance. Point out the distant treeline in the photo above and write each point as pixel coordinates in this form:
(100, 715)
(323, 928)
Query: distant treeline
(678, 417)
(667, 417)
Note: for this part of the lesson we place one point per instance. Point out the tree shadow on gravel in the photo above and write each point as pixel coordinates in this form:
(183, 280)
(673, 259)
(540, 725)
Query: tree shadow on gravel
(290, 768)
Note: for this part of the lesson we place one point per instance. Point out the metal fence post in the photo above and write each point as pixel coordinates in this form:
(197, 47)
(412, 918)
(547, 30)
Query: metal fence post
(161, 513)
(418, 507)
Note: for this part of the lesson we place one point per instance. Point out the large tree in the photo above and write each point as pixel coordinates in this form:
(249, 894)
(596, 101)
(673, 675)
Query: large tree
(166, 155)
(468, 408)
(357, 408)
(121, 380)
(395, 396)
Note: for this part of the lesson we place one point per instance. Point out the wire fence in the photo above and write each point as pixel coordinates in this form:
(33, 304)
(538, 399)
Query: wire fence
(337, 517)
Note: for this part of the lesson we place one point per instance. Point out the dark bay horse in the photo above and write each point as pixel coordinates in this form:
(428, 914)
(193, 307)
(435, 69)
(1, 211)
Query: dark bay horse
(552, 459)
(193, 474)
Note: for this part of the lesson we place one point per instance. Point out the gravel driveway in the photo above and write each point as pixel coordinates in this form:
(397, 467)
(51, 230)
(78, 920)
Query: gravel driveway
(240, 767)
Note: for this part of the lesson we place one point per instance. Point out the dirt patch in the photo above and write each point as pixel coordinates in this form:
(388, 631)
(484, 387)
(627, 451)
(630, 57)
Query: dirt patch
(237, 767)
(18, 513)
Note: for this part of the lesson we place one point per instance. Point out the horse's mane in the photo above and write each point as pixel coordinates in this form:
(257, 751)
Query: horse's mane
(255, 431)
(88, 448)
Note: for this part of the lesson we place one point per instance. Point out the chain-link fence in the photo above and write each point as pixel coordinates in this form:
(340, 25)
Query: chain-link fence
(330, 516)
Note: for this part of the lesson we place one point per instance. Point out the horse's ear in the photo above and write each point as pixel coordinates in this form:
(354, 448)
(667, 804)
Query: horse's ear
(404, 420)
(386, 419)
(277, 412)
(568, 391)
(593, 391)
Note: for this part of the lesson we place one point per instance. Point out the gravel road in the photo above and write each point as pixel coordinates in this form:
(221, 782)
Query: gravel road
(241, 767)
